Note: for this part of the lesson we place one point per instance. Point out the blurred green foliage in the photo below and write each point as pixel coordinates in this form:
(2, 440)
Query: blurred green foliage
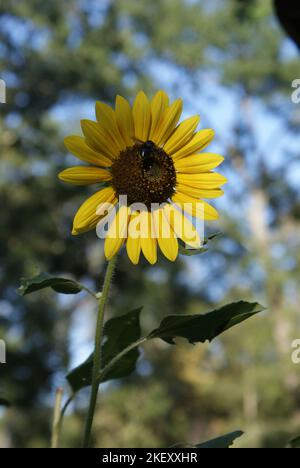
(57, 56)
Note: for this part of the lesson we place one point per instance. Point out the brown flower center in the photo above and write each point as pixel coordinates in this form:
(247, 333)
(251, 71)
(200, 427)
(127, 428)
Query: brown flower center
(145, 173)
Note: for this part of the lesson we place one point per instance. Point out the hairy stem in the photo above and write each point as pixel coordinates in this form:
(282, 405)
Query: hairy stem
(97, 351)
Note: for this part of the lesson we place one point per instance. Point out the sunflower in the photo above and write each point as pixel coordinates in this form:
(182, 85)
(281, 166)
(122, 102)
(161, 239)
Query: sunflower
(141, 152)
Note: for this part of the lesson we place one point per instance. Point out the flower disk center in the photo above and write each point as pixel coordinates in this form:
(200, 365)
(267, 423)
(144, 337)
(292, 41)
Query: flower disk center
(145, 173)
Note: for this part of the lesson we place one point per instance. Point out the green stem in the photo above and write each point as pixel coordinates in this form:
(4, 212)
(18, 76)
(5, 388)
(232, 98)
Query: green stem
(56, 419)
(97, 351)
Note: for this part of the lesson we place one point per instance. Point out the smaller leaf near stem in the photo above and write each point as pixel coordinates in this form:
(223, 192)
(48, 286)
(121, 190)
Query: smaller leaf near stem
(56, 418)
(45, 280)
(56, 283)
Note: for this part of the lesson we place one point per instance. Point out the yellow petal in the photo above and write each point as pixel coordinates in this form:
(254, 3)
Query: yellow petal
(107, 118)
(133, 244)
(197, 192)
(77, 145)
(86, 217)
(196, 163)
(159, 104)
(199, 141)
(198, 208)
(182, 227)
(125, 120)
(99, 139)
(82, 175)
(167, 123)
(117, 233)
(214, 193)
(167, 241)
(141, 116)
(182, 134)
(205, 180)
(148, 240)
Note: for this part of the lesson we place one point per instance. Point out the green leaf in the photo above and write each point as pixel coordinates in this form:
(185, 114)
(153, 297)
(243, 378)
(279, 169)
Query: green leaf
(224, 441)
(44, 280)
(295, 443)
(81, 376)
(199, 328)
(190, 252)
(119, 333)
